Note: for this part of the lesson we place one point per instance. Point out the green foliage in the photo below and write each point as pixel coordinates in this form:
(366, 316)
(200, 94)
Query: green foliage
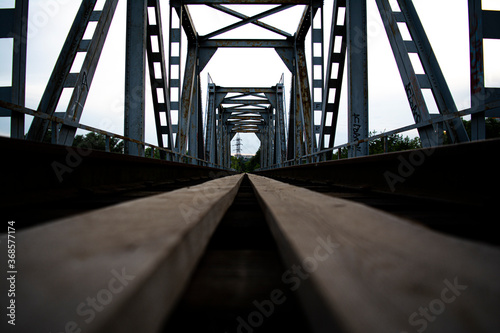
(98, 142)
(156, 154)
(395, 142)
(343, 154)
(492, 127)
(252, 164)
(237, 164)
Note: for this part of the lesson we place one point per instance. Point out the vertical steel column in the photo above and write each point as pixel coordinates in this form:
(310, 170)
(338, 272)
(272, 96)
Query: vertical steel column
(298, 131)
(188, 101)
(224, 142)
(227, 145)
(199, 134)
(14, 25)
(357, 67)
(220, 131)
(478, 131)
(135, 77)
(272, 136)
(195, 141)
(317, 70)
(210, 142)
(268, 138)
(304, 102)
(263, 145)
(280, 143)
(290, 147)
(482, 24)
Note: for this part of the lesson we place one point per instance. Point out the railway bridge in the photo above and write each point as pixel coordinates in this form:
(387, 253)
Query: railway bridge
(167, 237)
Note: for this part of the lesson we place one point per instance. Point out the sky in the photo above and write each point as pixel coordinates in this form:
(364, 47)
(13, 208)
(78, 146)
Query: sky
(445, 22)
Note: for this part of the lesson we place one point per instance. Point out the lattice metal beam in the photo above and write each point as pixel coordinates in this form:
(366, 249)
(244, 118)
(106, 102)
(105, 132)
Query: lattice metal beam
(60, 77)
(15, 26)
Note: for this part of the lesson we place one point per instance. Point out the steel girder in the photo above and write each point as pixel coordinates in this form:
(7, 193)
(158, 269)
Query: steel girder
(232, 110)
(158, 77)
(334, 77)
(135, 75)
(435, 77)
(482, 24)
(291, 50)
(186, 101)
(351, 34)
(140, 33)
(15, 25)
(80, 82)
(61, 77)
(84, 78)
(415, 83)
(357, 78)
(307, 98)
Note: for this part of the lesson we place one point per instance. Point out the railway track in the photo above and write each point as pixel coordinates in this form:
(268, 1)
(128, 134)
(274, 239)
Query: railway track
(248, 253)
(467, 221)
(240, 272)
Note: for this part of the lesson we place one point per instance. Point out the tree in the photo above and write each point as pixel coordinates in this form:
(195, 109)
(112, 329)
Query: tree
(237, 164)
(492, 126)
(147, 153)
(253, 163)
(97, 141)
(395, 142)
(343, 153)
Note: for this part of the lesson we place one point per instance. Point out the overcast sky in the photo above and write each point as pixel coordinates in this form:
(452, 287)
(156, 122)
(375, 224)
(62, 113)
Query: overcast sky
(445, 22)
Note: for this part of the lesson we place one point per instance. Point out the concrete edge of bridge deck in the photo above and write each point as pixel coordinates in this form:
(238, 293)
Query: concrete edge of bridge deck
(116, 269)
(39, 173)
(460, 173)
(368, 271)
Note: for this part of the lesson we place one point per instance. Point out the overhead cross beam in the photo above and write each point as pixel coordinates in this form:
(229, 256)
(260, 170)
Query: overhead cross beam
(245, 21)
(257, 23)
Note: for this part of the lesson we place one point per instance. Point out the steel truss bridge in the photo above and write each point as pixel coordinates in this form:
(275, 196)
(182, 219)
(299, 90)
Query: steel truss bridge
(106, 242)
